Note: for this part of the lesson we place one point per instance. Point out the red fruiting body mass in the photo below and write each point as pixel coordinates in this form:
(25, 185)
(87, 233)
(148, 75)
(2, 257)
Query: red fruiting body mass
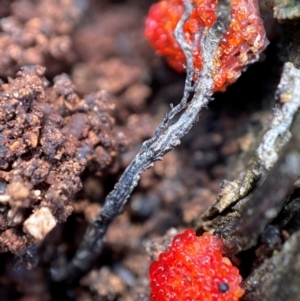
(193, 269)
(244, 40)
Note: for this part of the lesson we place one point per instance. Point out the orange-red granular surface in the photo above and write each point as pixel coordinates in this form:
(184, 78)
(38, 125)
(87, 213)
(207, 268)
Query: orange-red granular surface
(193, 269)
(244, 40)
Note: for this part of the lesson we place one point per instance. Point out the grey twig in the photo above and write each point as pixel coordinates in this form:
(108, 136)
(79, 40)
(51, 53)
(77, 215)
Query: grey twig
(187, 50)
(188, 89)
(275, 137)
(242, 233)
(166, 137)
(278, 134)
(258, 203)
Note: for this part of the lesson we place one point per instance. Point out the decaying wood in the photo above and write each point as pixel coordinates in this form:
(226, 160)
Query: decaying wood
(263, 197)
(277, 278)
(270, 147)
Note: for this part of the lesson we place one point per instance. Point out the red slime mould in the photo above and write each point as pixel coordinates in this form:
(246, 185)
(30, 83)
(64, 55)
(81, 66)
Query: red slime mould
(194, 269)
(244, 40)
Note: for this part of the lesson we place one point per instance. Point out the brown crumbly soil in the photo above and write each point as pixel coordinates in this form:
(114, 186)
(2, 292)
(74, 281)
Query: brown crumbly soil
(81, 89)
